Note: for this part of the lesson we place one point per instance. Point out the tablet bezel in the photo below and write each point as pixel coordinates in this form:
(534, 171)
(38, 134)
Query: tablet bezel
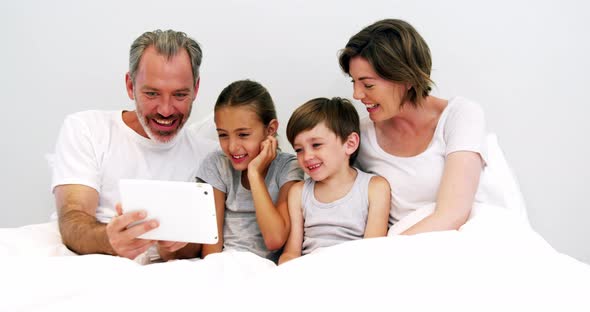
(185, 210)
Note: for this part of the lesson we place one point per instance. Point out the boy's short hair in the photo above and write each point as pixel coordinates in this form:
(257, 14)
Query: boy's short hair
(338, 114)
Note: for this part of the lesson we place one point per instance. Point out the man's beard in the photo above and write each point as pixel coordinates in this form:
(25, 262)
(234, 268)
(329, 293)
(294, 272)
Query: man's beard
(161, 136)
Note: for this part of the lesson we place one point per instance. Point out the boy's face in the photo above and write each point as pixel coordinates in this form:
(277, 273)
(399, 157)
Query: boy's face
(322, 154)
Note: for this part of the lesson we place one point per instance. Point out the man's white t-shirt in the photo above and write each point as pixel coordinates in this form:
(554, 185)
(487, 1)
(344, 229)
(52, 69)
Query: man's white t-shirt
(415, 180)
(97, 149)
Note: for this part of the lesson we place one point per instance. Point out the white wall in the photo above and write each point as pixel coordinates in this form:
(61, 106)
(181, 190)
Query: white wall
(526, 62)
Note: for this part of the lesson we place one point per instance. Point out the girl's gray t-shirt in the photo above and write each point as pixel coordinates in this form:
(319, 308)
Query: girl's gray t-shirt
(240, 229)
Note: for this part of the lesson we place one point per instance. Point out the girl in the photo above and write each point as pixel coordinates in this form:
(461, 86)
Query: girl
(250, 176)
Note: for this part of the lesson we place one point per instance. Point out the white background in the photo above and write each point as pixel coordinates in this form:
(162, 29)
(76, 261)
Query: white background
(525, 62)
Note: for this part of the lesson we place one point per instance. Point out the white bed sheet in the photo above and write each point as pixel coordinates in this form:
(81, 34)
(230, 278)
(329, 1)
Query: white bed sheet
(493, 263)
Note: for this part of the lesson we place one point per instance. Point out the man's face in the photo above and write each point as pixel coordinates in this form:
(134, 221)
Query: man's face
(164, 92)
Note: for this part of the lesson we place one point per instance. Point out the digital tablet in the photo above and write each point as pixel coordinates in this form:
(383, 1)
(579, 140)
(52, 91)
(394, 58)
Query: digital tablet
(185, 210)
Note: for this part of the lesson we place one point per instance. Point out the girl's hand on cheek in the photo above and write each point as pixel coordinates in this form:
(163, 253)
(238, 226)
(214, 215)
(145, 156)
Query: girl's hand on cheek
(268, 152)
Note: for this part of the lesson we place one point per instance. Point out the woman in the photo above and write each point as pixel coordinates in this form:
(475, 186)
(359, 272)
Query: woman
(431, 150)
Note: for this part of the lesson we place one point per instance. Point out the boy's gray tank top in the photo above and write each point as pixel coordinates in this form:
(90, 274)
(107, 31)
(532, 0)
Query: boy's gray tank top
(328, 224)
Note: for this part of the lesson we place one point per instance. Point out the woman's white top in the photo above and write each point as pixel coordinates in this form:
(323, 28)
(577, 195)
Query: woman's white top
(415, 180)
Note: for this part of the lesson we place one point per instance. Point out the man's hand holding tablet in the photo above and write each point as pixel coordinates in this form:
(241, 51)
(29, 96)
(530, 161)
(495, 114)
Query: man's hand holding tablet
(185, 211)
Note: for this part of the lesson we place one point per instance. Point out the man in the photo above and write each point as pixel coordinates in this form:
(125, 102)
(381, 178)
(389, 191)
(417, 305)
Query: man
(96, 149)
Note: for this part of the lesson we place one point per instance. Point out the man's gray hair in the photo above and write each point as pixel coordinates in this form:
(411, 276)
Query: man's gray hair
(167, 43)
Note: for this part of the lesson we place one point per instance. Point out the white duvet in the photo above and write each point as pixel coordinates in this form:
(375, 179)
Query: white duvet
(494, 263)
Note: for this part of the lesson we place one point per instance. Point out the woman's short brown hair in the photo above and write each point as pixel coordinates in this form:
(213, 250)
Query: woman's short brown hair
(397, 53)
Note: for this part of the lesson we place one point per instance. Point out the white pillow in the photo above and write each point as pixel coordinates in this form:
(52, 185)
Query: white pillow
(503, 180)
(205, 127)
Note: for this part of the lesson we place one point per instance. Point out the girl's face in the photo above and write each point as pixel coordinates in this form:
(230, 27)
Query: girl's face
(382, 98)
(240, 133)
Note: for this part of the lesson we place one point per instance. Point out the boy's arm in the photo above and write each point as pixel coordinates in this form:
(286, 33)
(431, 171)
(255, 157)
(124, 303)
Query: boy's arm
(295, 241)
(379, 203)
(219, 197)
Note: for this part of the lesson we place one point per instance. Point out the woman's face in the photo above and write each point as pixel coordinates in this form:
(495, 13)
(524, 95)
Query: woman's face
(382, 98)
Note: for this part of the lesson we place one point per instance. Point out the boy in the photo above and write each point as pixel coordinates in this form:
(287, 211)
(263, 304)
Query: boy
(338, 202)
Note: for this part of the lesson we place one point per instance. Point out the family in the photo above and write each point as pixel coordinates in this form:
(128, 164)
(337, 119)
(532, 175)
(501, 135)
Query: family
(350, 178)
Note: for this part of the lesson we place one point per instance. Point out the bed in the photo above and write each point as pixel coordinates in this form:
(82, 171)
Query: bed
(495, 262)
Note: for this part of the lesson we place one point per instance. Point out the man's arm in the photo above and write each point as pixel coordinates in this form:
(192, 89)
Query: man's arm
(81, 232)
